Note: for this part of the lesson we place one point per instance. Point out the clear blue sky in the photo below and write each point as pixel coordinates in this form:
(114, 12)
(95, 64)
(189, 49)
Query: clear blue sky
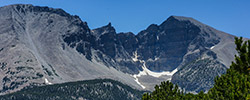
(230, 16)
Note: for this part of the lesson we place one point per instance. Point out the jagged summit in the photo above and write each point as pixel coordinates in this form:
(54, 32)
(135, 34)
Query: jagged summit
(104, 30)
(180, 18)
(31, 8)
(109, 24)
(108, 27)
(180, 21)
(23, 5)
(153, 28)
(186, 19)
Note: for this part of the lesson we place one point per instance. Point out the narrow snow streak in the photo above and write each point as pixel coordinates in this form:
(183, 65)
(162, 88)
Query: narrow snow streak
(137, 81)
(212, 47)
(135, 59)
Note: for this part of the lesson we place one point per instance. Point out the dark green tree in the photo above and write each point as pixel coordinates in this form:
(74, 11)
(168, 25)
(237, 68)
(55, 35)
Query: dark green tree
(231, 86)
(242, 60)
(165, 91)
(235, 84)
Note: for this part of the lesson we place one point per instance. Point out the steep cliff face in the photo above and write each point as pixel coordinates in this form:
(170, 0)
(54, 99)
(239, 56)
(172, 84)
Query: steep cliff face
(41, 45)
(167, 43)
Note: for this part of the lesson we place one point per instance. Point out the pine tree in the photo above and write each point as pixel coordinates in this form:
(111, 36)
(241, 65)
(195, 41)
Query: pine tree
(235, 84)
(243, 59)
(165, 91)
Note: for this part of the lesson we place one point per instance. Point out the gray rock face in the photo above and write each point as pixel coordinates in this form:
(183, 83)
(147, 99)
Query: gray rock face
(41, 45)
(169, 42)
(199, 74)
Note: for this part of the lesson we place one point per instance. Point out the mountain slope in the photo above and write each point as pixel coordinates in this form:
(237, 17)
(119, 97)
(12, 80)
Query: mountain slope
(33, 49)
(41, 45)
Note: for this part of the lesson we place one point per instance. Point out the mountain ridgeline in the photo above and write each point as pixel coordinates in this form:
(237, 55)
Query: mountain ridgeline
(42, 45)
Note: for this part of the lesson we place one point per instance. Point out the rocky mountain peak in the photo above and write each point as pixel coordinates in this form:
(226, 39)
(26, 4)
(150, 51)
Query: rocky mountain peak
(177, 22)
(109, 24)
(153, 28)
(30, 8)
(180, 18)
(107, 29)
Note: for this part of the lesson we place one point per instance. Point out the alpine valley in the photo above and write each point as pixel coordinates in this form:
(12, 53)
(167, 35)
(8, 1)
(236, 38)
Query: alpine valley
(46, 46)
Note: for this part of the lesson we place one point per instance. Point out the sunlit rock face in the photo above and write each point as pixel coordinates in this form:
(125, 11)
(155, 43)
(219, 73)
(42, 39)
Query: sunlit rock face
(43, 46)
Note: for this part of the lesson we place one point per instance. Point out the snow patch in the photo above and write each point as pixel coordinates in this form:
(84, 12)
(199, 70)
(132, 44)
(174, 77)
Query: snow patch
(146, 71)
(156, 58)
(135, 58)
(197, 50)
(155, 74)
(203, 57)
(212, 47)
(47, 82)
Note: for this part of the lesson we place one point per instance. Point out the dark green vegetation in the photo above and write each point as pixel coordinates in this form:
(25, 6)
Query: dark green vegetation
(233, 85)
(98, 89)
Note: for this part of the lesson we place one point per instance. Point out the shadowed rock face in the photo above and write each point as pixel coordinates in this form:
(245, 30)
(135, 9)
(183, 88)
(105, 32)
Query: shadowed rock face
(168, 41)
(129, 42)
(39, 43)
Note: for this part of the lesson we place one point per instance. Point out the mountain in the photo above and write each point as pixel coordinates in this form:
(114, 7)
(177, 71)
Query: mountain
(42, 45)
(98, 89)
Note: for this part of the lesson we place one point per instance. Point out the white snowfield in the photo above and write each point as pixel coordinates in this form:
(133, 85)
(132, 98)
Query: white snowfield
(47, 82)
(146, 71)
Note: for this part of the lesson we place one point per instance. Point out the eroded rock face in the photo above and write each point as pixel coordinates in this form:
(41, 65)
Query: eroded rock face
(41, 43)
(168, 42)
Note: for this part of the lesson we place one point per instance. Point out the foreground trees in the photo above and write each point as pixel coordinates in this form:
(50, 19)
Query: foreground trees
(234, 85)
